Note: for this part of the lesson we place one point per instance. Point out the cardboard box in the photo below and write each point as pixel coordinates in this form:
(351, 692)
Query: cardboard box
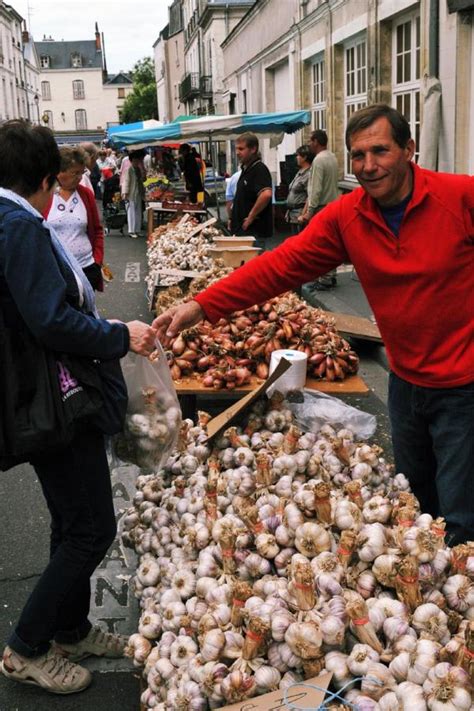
(222, 421)
(300, 696)
(224, 242)
(234, 256)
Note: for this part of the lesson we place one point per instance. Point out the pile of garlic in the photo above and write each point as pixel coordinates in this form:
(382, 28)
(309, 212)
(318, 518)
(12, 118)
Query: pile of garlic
(151, 431)
(274, 555)
(174, 246)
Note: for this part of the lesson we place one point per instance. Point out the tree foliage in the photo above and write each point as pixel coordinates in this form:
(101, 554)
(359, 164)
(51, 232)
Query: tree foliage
(141, 103)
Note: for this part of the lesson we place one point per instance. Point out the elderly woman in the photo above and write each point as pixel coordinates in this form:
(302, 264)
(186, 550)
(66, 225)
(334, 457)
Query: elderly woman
(45, 299)
(91, 176)
(298, 188)
(73, 214)
(133, 192)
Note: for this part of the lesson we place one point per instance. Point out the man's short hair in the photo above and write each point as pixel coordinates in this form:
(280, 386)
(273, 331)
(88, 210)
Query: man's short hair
(250, 139)
(363, 118)
(89, 148)
(28, 155)
(71, 155)
(320, 136)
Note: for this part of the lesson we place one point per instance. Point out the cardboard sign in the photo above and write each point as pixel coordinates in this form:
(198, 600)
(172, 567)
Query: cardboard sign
(196, 230)
(300, 695)
(217, 424)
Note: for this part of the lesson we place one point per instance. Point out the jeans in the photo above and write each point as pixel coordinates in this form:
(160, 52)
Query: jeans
(76, 485)
(433, 444)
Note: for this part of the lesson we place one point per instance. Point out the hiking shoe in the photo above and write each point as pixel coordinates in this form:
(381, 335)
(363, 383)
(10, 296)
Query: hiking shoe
(50, 671)
(97, 644)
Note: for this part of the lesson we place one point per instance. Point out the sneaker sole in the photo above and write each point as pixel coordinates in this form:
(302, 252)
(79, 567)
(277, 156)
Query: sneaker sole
(32, 682)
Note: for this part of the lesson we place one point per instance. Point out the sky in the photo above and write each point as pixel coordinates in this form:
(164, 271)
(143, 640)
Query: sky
(130, 27)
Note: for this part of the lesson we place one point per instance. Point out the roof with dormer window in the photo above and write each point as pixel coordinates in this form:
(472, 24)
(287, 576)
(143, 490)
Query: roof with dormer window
(61, 54)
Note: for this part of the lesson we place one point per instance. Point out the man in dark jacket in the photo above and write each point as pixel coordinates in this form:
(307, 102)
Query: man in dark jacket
(192, 174)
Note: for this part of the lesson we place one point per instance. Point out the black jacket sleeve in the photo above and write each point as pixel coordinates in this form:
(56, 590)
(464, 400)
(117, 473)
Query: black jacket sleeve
(37, 287)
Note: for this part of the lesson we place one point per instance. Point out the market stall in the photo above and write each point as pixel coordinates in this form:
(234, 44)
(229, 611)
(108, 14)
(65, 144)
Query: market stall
(273, 550)
(215, 129)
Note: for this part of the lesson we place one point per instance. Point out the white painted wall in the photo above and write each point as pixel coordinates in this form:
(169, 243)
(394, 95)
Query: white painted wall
(13, 102)
(471, 122)
(101, 102)
(447, 76)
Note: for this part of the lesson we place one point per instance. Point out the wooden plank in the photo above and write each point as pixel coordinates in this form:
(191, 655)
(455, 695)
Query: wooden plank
(352, 385)
(356, 326)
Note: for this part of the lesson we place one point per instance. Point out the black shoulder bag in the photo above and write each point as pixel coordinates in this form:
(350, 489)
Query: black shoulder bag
(45, 395)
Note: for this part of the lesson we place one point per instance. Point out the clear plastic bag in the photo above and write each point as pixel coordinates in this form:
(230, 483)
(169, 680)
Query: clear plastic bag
(153, 417)
(313, 409)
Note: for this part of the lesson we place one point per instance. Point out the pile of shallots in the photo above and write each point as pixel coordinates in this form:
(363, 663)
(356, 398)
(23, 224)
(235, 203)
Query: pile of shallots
(227, 354)
(273, 555)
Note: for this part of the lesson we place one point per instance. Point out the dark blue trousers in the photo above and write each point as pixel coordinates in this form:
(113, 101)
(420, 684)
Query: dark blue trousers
(433, 444)
(77, 488)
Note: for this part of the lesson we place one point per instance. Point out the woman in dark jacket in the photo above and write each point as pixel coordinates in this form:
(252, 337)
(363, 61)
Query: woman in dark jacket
(44, 294)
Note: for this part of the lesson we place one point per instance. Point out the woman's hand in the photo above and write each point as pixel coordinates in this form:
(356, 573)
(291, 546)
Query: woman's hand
(176, 319)
(142, 337)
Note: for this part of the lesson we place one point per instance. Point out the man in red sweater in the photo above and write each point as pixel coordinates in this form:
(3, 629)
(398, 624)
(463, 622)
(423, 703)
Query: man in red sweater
(409, 233)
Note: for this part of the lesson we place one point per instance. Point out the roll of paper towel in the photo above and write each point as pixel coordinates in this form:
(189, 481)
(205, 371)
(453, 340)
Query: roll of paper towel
(295, 377)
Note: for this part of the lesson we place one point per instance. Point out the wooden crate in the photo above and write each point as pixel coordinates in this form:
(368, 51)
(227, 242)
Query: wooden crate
(225, 242)
(235, 256)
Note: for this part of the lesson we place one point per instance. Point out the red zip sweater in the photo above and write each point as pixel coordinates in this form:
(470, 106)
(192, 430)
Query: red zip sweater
(420, 284)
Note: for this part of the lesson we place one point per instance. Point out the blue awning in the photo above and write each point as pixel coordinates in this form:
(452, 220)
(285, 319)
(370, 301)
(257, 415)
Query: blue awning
(219, 128)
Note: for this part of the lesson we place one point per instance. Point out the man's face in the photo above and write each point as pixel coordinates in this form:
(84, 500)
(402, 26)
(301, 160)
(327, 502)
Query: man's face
(380, 165)
(245, 155)
(314, 145)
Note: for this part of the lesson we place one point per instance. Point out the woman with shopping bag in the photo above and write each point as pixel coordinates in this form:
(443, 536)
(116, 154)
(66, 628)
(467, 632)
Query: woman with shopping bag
(47, 303)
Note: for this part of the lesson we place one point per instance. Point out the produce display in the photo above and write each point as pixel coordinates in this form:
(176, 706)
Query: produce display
(158, 188)
(228, 353)
(174, 246)
(274, 554)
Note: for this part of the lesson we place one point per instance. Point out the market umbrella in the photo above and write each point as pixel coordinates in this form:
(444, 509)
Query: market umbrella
(215, 128)
(137, 126)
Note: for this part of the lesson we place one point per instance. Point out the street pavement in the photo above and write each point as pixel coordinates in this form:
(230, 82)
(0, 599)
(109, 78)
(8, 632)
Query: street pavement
(24, 520)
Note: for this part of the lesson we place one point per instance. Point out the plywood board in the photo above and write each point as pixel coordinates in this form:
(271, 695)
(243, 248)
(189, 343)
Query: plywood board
(356, 326)
(352, 385)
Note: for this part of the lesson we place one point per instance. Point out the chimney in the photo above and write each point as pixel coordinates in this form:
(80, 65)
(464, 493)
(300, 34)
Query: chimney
(98, 46)
(25, 37)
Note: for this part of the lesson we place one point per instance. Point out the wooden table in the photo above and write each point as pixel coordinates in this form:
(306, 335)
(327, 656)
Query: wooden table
(190, 388)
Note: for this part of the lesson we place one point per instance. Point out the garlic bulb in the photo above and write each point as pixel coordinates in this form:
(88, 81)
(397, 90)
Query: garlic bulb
(459, 592)
(311, 539)
(447, 688)
(182, 651)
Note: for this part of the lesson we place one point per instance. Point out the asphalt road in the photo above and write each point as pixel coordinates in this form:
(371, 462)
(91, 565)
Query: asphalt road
(24, 520)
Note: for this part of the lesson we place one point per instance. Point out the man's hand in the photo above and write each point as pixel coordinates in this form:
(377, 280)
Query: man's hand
(303, 218)
(176, 319)
(247, 222)
(142, 337)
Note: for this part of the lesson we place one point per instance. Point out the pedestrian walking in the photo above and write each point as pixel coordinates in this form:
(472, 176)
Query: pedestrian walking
(191, 171)
(75, 218)
(322, 189)
(409, 232)
(298, 188)
(45, 299)
(133, 192)
(252, 212)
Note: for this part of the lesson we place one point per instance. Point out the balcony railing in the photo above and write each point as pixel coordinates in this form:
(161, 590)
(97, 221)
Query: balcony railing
(205, 87)
(189, 87)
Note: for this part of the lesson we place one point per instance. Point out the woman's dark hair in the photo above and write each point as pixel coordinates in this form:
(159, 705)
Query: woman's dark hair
(137, 154)
(365, 117)
(28, 155)
(306, 153)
